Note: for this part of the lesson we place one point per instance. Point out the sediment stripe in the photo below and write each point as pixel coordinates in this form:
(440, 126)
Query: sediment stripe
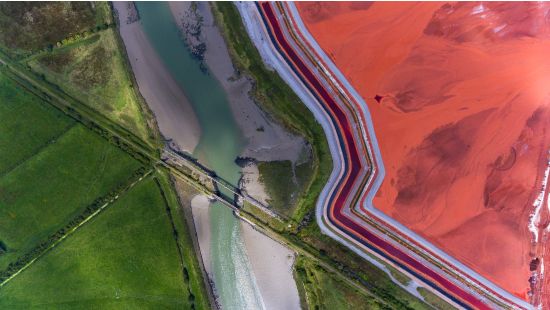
(352, 169)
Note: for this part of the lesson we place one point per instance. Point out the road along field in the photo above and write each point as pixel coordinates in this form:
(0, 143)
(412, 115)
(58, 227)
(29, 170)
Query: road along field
(461, 115)
(348, 212)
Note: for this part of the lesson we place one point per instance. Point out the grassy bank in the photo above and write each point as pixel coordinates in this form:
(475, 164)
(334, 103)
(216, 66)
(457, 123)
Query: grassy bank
(324, 290)
(192, 270)
(31, 27)
(285, 184)
(126, 257)
(278, 99)
(94, 71)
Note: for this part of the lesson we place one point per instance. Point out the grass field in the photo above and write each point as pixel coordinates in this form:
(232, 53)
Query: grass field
(18, 109)
(39, 25)
(93, 71)
(53, 186)
(324, 290)
(124, 258)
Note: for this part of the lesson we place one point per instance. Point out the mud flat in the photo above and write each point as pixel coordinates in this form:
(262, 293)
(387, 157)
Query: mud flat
(250, 182)
(266, 140)
(461, 116)
(175, 116)
(272, 264)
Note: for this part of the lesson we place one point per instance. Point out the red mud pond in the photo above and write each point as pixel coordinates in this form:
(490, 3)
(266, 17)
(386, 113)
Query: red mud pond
(459, 96)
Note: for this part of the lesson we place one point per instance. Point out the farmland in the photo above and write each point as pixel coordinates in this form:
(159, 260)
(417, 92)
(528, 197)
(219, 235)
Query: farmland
(123, 258)
(70, 186)
(19, 142)
(65, 177)
(66, 166)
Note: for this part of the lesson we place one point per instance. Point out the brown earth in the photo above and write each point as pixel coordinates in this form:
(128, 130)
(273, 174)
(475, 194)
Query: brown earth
(460, 104)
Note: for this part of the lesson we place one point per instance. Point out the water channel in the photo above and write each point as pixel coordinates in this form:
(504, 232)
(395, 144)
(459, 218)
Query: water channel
(220, 143)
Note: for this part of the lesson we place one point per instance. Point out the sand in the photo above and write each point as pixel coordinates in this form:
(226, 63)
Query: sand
(272, 264)
(201, 217)
(174, 113)
(267, 140)
(460, 110)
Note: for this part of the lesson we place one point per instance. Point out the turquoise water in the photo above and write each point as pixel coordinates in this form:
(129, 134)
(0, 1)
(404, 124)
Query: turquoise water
(220, 143)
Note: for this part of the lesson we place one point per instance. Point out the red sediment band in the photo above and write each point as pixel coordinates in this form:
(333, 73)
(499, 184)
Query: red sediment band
(353, 168)
(306, 45)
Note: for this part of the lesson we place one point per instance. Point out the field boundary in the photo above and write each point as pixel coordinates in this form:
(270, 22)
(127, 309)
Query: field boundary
(71, 227)
(41, 149)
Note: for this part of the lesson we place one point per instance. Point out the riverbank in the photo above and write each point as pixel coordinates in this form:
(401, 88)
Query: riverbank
(270, 261)
(266, 140)
(161, 92)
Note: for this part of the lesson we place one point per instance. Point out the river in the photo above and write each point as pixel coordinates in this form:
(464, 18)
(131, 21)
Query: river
(220, 143)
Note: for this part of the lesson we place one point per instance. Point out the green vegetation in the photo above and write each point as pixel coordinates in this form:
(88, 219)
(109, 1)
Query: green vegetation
(94, 71)
(196, 290)
(434, 300)
(62, 179)
(61, 243)
(124, 258)
(18, 109)
(324, 290)
(356, 268)
(277, 98)
(32, 26)
(285, 183)
(278, 178)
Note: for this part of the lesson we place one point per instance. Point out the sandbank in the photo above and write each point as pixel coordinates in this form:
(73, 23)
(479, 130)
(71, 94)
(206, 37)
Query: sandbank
(200, 206)
(173, 111)
(272, 264)
(267, 140)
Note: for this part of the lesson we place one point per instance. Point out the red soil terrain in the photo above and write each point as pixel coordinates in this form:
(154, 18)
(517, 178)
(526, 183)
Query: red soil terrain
(459, 96)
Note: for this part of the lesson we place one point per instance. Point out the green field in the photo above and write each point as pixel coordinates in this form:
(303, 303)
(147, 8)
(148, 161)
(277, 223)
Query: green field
(191, 267)
(18, 109)
(55, 185)
(124, 258)
(93, 71)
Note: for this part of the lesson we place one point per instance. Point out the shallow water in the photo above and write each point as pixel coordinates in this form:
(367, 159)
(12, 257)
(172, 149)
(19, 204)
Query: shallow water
(220, 143)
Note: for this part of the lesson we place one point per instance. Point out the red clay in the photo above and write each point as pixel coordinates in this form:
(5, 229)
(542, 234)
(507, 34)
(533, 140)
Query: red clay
(460, 103)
